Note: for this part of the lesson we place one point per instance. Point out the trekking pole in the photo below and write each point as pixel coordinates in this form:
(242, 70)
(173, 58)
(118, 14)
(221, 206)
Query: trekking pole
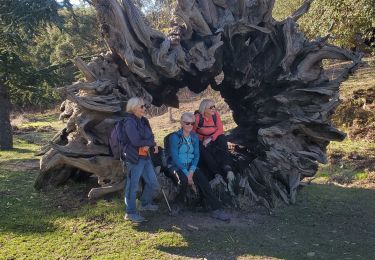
(166, 200)
(162, 190)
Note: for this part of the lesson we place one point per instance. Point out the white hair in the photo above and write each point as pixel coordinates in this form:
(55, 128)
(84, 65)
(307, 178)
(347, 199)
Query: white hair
(203, 105)
(187, 115)
(133, 103)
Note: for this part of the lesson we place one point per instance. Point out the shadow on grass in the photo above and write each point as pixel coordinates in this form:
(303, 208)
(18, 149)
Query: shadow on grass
(327, 222)
(21, 150)
(23, 210)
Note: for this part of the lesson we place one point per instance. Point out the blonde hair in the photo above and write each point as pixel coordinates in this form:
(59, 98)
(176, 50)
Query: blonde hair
(187, 115)
(203, 105)
(133, 103)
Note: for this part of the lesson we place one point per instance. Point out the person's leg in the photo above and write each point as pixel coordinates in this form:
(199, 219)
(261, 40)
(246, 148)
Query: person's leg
(222, 153)
(208, 157)
(132, 182)
(217, 212)
(204, 187)
(182, 182)
(220, 145)
(151, 183)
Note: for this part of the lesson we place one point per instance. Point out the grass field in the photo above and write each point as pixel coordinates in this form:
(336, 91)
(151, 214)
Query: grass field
(334, 217)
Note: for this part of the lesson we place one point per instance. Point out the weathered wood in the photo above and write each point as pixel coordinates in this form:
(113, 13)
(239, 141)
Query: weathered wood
(100, 192)
(271, 76)
(81, 65)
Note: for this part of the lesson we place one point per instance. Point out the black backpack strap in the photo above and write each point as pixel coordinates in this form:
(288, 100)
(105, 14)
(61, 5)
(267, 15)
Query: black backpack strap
(200, 124)
(180, 139)
(201, 119)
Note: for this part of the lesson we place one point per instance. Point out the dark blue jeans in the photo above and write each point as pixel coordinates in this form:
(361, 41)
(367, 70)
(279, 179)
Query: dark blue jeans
(145, 170)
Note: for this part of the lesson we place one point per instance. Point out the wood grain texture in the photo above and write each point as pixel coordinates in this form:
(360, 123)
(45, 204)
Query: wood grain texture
(274, 82)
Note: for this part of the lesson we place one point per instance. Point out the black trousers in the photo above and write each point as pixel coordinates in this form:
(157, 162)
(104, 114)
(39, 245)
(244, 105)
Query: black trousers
(202, 183)
(215, 157)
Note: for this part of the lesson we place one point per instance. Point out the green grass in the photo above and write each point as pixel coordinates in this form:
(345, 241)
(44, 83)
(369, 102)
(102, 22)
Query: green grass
(38, 225)
(327, 221)
(39, 120)
(22, 151)
(350, 161)
(347, 146)
(362, 79)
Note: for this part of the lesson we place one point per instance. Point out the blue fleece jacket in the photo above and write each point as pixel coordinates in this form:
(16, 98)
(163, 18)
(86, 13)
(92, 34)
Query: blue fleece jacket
(137, 133)
(184, 151)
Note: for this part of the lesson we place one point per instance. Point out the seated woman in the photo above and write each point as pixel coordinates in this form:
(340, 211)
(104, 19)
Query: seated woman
(213, 143)
(184, 151)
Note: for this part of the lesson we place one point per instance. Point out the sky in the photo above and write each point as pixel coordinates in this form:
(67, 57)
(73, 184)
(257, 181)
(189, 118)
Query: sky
(74, 2)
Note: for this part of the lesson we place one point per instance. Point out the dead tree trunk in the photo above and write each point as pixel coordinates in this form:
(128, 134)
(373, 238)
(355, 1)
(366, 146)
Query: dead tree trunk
(273, 81)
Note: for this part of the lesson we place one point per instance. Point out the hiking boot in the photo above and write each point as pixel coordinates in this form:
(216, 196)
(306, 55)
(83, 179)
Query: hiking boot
(134, 218)
(150, 207)
(220, 215)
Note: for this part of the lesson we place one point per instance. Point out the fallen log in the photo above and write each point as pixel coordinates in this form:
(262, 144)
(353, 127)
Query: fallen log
(273, 81)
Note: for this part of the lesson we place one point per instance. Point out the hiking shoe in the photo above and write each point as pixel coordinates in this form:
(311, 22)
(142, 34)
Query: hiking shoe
(134, 218)
(220, 215)
(150, 207)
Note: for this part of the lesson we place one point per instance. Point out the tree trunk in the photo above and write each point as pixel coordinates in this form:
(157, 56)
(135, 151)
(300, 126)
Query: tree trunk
(274, 82)
(6, 138)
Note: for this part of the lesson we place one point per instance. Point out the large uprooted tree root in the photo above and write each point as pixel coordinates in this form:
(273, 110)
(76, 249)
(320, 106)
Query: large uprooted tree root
(274, 82)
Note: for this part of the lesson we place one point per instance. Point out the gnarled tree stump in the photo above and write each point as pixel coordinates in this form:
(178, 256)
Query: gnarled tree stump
(274, 82)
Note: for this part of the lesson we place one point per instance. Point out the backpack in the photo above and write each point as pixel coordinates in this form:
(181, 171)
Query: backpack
(116, 145)
(118, 139)
(201, 119)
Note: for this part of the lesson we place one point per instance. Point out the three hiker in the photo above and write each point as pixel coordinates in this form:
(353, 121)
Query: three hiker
(184, 147)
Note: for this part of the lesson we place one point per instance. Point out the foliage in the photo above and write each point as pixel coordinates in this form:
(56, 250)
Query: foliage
(158, 13)
(79, 37)
(37, 39)
(20, 21)
(352, 22)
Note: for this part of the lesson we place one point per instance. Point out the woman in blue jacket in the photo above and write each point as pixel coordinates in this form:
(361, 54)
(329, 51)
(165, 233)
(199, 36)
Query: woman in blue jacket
(138, 139)
(184, 150)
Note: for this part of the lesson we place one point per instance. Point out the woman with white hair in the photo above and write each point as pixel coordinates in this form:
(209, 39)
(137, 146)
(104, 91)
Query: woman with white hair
(138, 139)
(214, 147)
(184, 150)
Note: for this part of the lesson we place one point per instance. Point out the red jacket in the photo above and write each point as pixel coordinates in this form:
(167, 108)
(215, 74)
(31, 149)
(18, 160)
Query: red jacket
(210, 130)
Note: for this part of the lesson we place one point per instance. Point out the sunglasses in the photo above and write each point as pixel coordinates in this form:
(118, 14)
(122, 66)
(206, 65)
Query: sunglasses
(189, 123)
(144, 106)
(212, 107)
